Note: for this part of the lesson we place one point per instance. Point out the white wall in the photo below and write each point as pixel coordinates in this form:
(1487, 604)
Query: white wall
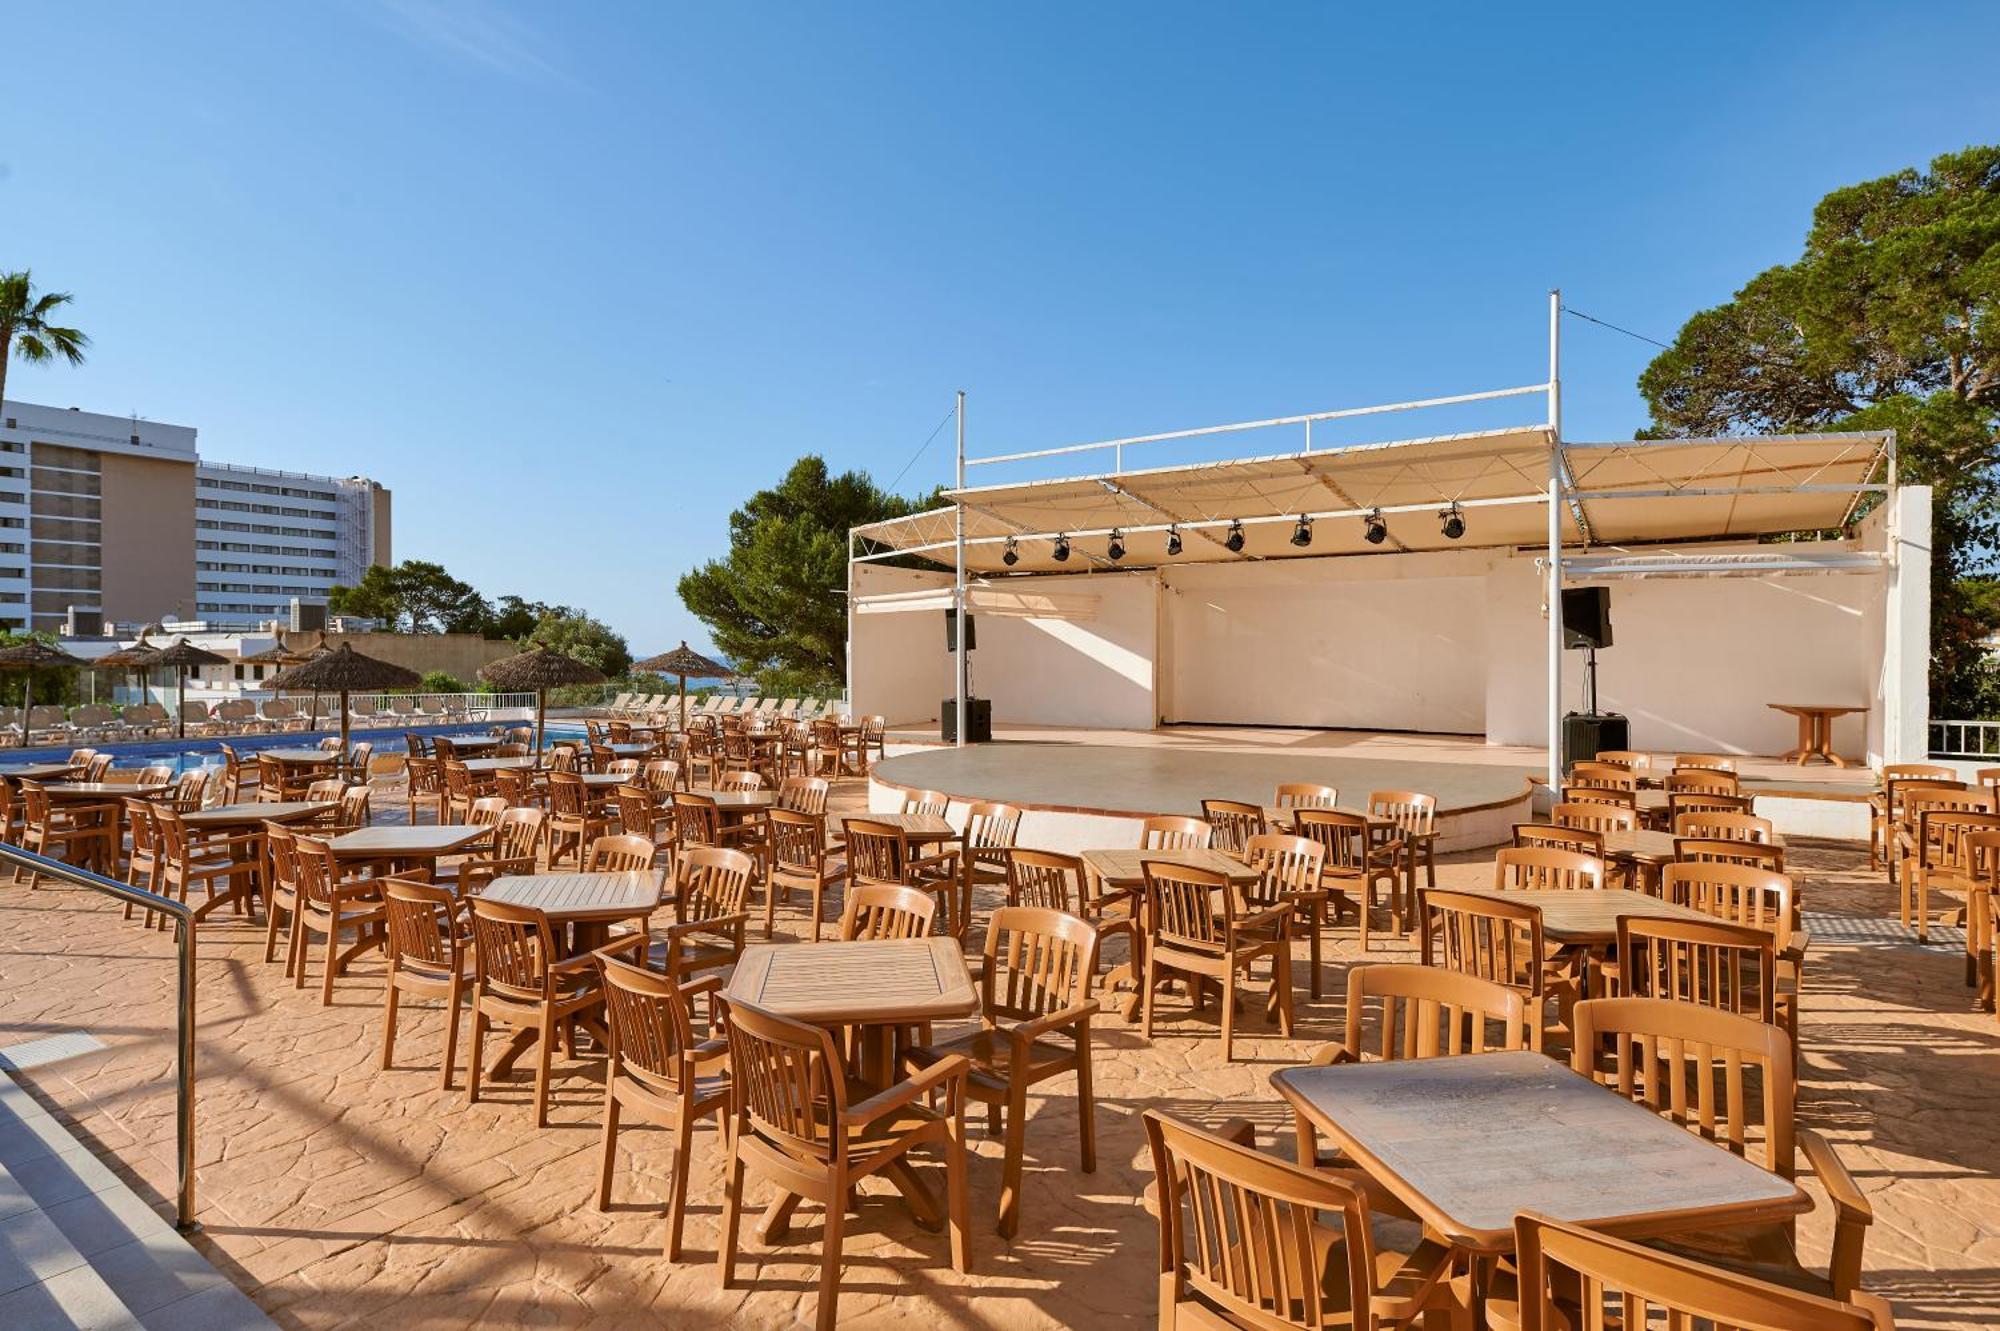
(1390, 642)
(897, 665)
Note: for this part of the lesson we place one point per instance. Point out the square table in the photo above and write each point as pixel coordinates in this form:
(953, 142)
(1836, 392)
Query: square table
(1119, 873)
(1468, 1141)
(626, 749)
(38, 771)
(254, 814)
(399, 846)
(1586, 917)
(916, 828)
(471, 743)
(489, 765)
(301, 757)
(581, 898)
(874, 986)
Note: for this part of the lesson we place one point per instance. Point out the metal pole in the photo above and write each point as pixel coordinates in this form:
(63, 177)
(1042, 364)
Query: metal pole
(958, 585)
(1555, 542)
(184, 1220)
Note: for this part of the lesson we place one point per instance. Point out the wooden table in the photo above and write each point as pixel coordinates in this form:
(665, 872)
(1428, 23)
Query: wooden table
(301, 757)
(106, 800)
(1815, 730)
(917, 829)
(872, 986)
(471, 743)
(1468, 1141)
(400, 846)
(627, 749)
(477, 765)
(1119, 872)
(1589, 918)
(38, 771)
(225, 816)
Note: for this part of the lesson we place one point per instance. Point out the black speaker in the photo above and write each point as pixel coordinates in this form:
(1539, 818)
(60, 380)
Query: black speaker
(1587, 734)
(951, 632)
(1587, 618)
(978, 720)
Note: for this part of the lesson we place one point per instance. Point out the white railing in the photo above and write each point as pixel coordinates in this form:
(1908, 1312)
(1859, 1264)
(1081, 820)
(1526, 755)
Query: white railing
(1965, 739)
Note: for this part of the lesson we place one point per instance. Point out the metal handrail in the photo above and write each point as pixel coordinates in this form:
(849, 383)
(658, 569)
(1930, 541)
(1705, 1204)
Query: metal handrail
(15, 857)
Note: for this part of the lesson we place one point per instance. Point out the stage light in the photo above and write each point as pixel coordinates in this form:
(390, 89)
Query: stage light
(1454, 523)
(1116, 547)
(1302, 535)
(1062, 548)
(1235, 541)
(1011, 555)
(1173, 540)
(1374, 530)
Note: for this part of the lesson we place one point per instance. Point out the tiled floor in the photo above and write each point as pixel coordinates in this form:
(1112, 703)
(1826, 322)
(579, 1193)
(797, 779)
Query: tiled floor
(338, 1194)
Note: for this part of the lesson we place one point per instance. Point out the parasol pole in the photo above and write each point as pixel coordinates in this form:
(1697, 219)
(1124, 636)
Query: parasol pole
(27, 702)
(684, 702)
(541, 712)
(181, 704)
(343, 720)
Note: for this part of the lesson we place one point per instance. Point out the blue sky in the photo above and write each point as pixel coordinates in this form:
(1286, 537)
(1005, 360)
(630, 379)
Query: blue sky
(574, 280)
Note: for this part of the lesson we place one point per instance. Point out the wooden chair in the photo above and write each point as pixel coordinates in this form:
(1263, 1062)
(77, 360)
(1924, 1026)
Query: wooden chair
(423, 786)
(874, 911)
(796, 1121)
(332, 905)
(1731, 967)
(1193, 928)
(54, 833)
(1045, 880)
(517, 839)
(1291, 871)
(740, 781)
(575, 819)
(663, 776)
(1689, 1065)
(619, 853)
(142, 865)
(353, 809)
(235, 779)
(1355, 862)
(1755, 854)
(1637, 763)
(1232, 823)
(698, 822)
(1938, 856)
(1576, 840)
(1594, 817)
(1247, 1240)
(877, 853)
(933, 802)
(1517, 868)
(658, 1072)
(518, 788)
(1500, 941)
(990, 831)
(521, 979)
(1723, 827)
(1169, 832)
(1560, 1265)
(801, 856)
(1885, 806)
(1704, 762)
(190, 791)
(1414, 815)
(1305, 795)
(804, 794)
(711, 906)
(1034, 1024)
(430, 956)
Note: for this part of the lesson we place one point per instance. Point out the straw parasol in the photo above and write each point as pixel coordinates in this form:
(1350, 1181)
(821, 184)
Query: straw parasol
(30, 656)
(139, 658)
(285, 656)
(344, 670)
(683, 661)
(181, 656)
(539, 669)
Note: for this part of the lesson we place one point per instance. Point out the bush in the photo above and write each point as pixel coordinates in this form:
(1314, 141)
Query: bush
(440, 681)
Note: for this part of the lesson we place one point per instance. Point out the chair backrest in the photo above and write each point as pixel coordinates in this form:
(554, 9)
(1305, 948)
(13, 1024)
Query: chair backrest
(517, 833)
(1494, 939)
(1249, 1235)
(282, 844)
(1941, 820)
(650, 1019)
(637, 813)
(798, 840)
(1595, 816)
(565, 758)
(98, 765)
(513, 948)
(1707, 963)
(1560, 1263)
(1626, 798)
(1633, 761)
(1342, 835)
(1038, 962)
(139, 821)
(884, 910)
(661, 775)
(1186, 908)
(191, 789)
(1232, 823)
(803, 794)
(621, 853)
(933, 802)
(1702, 781)
(1603, 776)
(353, 811)
(876, 852)
(1425, 1012)
(1169, 832)
(990, 826)
(1045, 879)
(711, 882)
(1734, 894)
(1577, 840)
(568, 796)
(1304, 795)
(1286, 867)
(1704, 762)
(630, 767)
(740, 781)
(1413, 812)
(1533, 868)
(421, 932)
(786, 1083)
(1755, 854)
(1723, 827)
(697, 820)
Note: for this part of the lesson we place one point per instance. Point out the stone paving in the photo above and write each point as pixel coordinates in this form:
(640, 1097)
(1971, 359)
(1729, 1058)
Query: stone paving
(337, 1194)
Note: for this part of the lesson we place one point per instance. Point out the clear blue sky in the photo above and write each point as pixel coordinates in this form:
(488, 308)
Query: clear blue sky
(573, 280)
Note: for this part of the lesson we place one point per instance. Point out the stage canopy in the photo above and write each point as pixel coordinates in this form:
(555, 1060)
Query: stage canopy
(1613, 494)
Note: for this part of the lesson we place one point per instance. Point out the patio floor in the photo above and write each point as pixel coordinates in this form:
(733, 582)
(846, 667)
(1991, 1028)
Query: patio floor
(337, 1194)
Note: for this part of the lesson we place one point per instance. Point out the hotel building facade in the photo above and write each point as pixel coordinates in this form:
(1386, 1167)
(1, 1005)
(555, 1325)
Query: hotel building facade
(123, 516)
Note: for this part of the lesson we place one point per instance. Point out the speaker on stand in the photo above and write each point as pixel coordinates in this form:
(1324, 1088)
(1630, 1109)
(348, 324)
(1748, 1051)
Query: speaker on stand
(1586, 613)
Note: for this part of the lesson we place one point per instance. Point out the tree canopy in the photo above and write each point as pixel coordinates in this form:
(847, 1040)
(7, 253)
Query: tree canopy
(1890, 318)
(28, 328)
(417, 596)
(774, 603)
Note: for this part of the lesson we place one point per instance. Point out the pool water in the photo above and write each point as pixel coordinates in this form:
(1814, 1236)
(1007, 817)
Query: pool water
(187, 754)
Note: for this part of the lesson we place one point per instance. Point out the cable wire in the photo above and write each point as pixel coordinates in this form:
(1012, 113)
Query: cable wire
(1602, 323)
(920, 450)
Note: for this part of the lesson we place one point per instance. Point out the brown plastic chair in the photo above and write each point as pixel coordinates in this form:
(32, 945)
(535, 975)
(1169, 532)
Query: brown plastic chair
(1722, 1075)
(1704, 762)
(796, 1121)
(1247, 1240)
(1232, 823)
(740, 781)
(933, 802)
(801, 857)
(1617, 799)
(1355, 862)
(1634, 761)
(521, 979)
(574, 817)
(885, 911)
(1305, 795)
(1723, 827)
(1501, 941)
(1193, 928)
(517, 837)
(1650, 1288)
(658, 1072)
(804, 794)
(1938, 856)
(142, 865)
(711, 907)
(1034, 1025)
(430, 956)
(1705, 963)
(1415, 817)
(53, 833)
(1598, 817)
(1756, 899)
(639, 814)
(1291, 871)
(1576, 840)
(619, 853)
(1982, 938)
(190, 859)
(332, 905)
(1172, 832)
(878, 853)
(990, 831)
(698, 822)
(1517, 868)
(1886, 805)
(1755, 854)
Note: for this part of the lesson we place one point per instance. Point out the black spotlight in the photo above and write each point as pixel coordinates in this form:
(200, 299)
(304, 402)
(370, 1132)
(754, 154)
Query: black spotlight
(1454, 523)
(1062, 548)
(1374, 530)
(1011, 555)
(1116, 547)
(1302, 535)
(1235, 541)
(1173, 540)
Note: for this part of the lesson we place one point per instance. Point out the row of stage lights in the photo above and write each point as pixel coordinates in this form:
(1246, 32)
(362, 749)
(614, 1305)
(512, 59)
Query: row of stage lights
(1451, 522)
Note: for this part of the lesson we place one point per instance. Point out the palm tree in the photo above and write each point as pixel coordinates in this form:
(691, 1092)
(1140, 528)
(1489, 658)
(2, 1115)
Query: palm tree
(25, 329)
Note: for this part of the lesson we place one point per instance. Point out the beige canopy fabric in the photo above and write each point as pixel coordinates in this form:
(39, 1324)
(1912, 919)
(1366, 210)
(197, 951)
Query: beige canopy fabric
(1616, 493)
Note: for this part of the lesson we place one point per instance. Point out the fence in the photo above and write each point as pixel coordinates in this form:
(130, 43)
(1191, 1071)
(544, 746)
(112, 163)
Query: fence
(1965, 739)
(17, 858)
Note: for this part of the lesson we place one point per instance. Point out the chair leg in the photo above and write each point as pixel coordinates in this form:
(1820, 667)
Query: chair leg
(476, 1048)
(389, 1023)
(677, 1198)
(1010, 1161)
(543, 1054)
(1228, 1017)
(1148, 981)
(610, 1147)
(1282, 983)
(332, 952)
(452, 1000)
(732, 1212)
(1313, 955)
(958, 1205)
(829, 1258)
(1086, 1106)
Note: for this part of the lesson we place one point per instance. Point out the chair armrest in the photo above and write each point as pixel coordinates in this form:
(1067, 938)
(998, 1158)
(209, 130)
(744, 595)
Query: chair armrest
(1847, 1197)
(708, 1051)
(1331, 1055)
(625, 943)
(719, 924)
(578, 964)
(1076, 1014)
(1275, 915)
(951, 1068)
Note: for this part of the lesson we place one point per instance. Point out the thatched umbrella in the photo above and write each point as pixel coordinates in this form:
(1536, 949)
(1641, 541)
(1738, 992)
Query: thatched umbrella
(182, 656)
(139, 658)
(31, 656)
(284, 656)
(344, 670)
(683, 661)
(539, 669)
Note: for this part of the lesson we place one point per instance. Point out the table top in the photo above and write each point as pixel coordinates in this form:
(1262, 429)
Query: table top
(1469, 1141)
(743, 799)
(627, 749)
(425, 839)
(249, 815)
(1645, 846)
(307, 756)
(499, 764)
(1815, 709)
(913, 826)
(37, 771)
(97, 790)
(1590, 916)
(580, 896)
(610, 780)
(857, 984)
(1121, 868)
(471, 741)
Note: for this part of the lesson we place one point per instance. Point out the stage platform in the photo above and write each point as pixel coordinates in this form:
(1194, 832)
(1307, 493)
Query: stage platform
(1088, 789)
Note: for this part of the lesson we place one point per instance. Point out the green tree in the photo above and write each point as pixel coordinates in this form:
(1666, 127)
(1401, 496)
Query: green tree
(1890, 317)
(774, 602)
(573, 633)
(25, 330)
(515, 618)
(374, 597)
(416, 596)
(443, 681)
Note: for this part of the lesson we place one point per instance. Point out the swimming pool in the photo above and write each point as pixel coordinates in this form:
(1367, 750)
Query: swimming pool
(185, 754)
